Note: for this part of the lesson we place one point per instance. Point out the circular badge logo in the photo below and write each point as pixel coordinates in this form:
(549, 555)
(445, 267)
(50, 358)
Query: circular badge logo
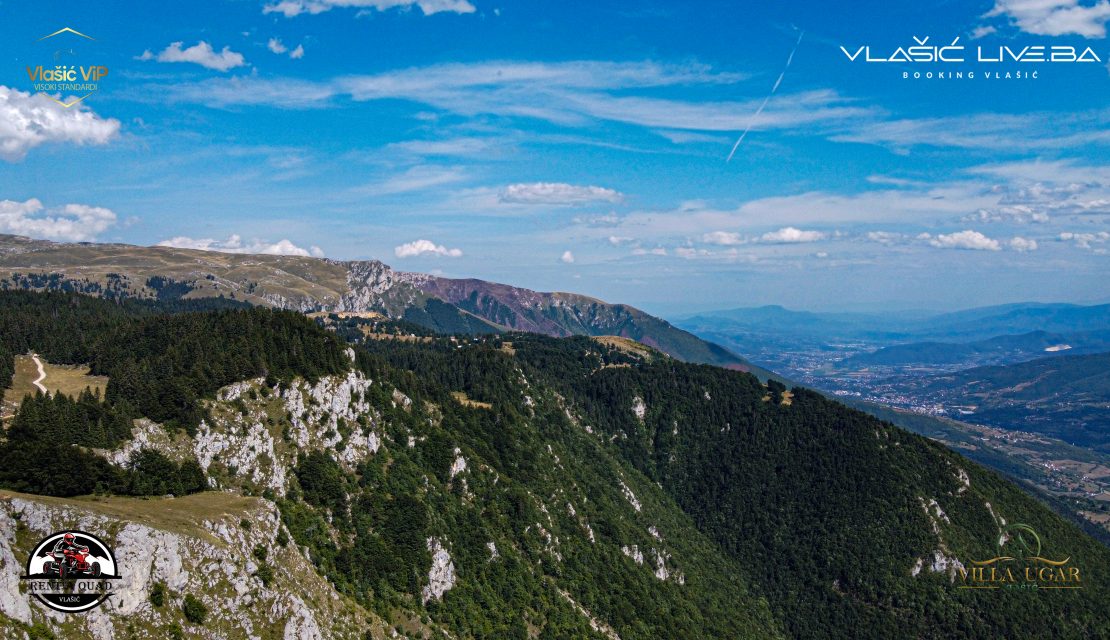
(71, 571)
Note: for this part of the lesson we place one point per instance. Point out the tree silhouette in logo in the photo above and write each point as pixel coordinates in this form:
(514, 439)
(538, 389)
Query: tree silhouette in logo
(1025, 539)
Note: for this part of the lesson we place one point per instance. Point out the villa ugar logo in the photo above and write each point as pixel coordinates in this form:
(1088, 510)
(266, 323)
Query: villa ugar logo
(71, 571)
(1021, 563)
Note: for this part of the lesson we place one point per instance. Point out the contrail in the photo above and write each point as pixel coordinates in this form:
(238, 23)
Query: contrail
(775, 88)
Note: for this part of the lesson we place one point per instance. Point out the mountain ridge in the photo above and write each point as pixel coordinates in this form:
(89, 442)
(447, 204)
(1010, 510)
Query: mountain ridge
(309, 284)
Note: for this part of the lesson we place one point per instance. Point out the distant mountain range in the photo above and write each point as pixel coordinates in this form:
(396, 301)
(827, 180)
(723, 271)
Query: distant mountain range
(908, 326)
(1067, 397)
(1004, 348)
(314, 284)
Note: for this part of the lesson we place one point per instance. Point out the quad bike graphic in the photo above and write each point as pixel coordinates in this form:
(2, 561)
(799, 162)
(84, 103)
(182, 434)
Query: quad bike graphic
(71, 563)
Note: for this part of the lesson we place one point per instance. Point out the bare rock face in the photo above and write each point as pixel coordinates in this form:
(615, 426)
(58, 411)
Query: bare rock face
(441, 577)
(147, 434)
(374, 285)
(639, 408)
(631, 497)
(316, 411)
(251, 451)
(332, 414)
(12, 603)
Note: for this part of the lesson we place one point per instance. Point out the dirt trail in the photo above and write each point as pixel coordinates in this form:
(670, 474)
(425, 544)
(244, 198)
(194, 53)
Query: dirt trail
(42, 373)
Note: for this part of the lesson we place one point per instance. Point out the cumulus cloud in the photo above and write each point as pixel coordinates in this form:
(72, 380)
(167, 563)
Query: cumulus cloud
(567, 257)
(292, 8)
(1018, 243)
(27, 121)
(967, 239)
(73, 222)
(1086, 240)
(791, 235)
(1055, 17)
(297, 53)
(203, 54)
(557, 193)
(235, 244)
(421, 247)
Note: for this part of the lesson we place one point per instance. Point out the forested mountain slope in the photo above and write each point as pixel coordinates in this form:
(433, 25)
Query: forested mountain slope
(849, 526)
(515, 485)
(428, 513)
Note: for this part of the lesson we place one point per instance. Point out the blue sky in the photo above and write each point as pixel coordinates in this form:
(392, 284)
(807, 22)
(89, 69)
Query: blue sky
(582, 146)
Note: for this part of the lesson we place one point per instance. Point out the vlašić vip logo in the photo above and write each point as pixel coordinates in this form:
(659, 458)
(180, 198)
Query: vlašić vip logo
(66, 77)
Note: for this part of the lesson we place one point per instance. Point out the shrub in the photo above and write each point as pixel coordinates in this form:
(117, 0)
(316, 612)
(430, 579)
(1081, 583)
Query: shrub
(195, 611)
(265, 574)
(158, 594)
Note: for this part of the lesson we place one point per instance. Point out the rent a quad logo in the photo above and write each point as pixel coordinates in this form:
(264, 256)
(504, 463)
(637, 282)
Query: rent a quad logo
(71, 571)
(1021, 563)
(66, 77)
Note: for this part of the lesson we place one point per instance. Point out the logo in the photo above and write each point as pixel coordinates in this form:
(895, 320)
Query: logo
(987, 58)
(1021, 563)
(71, 571)
(66, 78)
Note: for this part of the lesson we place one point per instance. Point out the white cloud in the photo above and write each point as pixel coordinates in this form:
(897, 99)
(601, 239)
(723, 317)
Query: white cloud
(291, 8)
(657, 251)
(557, 193)
(462, 146)
(1017, 243)
(616, 241)
(421, 247)
(1014, 213)
(235, 244)
(982, 31)
(1055, 17)
(901, 205)
(567, 257)
(990, 131)
(723, 237)
(564, 93)
(791, 235)
(966, 239)
(415, 179)
(1040, 191)
(1085, 240)
(201, 53)
(277, 46)
(27, 121)
(885, 237)
(73, 222)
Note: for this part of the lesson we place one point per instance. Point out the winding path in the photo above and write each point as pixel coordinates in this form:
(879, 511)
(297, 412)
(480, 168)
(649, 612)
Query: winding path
(42, 373)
